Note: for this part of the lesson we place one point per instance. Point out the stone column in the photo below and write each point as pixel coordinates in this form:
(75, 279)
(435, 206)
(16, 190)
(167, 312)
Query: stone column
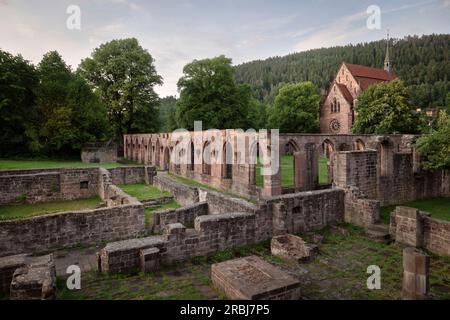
(415, 274)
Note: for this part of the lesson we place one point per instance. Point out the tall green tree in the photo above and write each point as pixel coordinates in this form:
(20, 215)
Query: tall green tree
(384, 109)
(18, 79)
(167, 111)
(435, 147)
(208, 92)
(70, 114)
(257, 115)
(296, 109)
(124, 74)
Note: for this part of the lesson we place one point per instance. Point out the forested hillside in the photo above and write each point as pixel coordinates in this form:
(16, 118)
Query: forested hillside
(422, 62)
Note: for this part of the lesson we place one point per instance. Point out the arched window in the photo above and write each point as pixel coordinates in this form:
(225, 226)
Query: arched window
(338, 107)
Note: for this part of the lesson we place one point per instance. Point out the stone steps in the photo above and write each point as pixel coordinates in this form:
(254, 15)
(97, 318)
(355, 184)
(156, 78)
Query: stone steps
(379, 233)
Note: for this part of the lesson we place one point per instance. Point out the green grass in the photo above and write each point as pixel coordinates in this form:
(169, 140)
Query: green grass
(143, 191)
(438, 207)
(6, 164)
(196, 184)
(287, 172)
(22, 211)
(149, 212)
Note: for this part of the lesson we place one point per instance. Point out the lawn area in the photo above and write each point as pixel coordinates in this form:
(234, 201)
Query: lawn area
(6, 164)
(438, 207)
(338, 272)
(149, 212)
(22, 211)
(287, 172)
(143, 191)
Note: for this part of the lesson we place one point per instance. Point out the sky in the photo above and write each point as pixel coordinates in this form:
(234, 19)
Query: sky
(175, 32)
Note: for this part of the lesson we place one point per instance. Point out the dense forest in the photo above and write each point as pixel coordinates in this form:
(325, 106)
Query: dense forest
(422, 62)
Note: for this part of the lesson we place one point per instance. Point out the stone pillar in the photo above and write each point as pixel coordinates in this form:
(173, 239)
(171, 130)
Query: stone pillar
(271, 183)
(416, 265)
(300, 171)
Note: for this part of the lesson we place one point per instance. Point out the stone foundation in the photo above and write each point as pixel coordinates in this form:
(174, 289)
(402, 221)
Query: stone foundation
(252, 278)
(35, 281)
(292, 248)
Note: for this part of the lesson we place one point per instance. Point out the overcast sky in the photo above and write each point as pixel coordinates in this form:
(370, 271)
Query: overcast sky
(177, 31)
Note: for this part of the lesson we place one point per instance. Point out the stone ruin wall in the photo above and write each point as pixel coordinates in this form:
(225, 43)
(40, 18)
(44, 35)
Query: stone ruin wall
(368, 186)
(224, 229)
(123, 217)
(414, 228)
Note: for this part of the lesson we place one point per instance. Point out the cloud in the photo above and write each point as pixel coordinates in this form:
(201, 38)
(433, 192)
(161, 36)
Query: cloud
(338, 32)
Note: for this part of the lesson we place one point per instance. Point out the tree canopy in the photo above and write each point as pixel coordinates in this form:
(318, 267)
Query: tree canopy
(384, 109)
(296, 109)
(18, 79)
(435, 147)
(70, 114)
(124, 74)
(208, 92)
(422, 62)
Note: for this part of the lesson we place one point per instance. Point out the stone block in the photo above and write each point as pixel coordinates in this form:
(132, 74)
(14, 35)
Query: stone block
(149, 259)
(292, 248)
(35, 281)
(8, 265)
(252, 278)
(415, 274)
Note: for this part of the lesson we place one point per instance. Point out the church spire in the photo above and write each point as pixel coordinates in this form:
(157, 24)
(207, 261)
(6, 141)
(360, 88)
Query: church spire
(387, 60)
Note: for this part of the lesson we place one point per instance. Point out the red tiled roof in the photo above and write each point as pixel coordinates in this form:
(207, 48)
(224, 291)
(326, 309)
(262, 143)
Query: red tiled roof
(364, 83)
(347, 95)
(368, 72)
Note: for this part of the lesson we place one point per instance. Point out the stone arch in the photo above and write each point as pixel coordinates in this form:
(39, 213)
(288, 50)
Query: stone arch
(359, 145)
(207, 158)
(227, 160)
(291, 146)
(328, 148)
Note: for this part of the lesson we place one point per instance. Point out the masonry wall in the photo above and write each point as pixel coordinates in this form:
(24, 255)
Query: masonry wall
(185, 215)
(307, 211)
(356, 169)
(48, 185)
(133, 175)
(64, 184)
(211, 233)
(184, 195)
(412, 227)
(68, 229)
(123, 217)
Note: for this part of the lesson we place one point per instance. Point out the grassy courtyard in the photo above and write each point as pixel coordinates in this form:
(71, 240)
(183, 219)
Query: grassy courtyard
(143, 191)
(149, 212)
(22, 211)
(339, 272)
(287, 172)
(7, 164)
(438, 207)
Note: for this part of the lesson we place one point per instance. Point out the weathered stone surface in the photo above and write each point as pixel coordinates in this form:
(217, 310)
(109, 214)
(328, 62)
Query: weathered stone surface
(185, 215)
(411, 227)
(149, 259)
(35, 281)
(8, 265)
(252, 278)
(416, 264)
(292, 248)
